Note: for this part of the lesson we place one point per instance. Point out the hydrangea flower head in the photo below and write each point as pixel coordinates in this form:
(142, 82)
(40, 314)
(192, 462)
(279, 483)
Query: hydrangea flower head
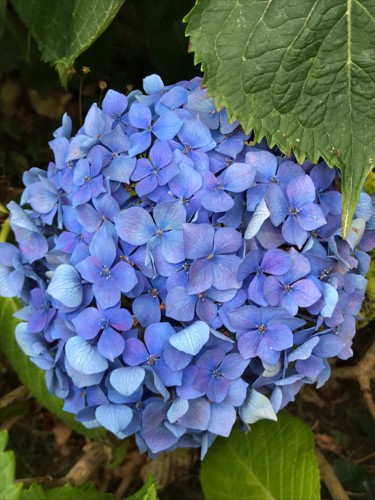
(176, 278)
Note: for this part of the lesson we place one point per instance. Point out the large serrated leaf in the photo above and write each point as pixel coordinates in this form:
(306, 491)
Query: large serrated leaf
(275, 460)
(29, 374)
(299, 72)
(63, 29)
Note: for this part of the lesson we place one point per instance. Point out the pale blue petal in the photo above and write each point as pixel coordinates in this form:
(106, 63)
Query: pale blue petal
(84, 357)
(66, 286)
(127, 380)
(256, 407)
(191, 339)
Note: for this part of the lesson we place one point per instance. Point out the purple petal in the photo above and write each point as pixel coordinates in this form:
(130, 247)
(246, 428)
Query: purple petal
(217, 389)
(102, 246)
(120, 319)
(217, 201)
(233, 366)
(279, 337)
(225, 271)
(265, 164)
(157, 336)
(124, 276)
(146, 185)
(114, 103)
(147, 309)
(293, 232)
(276, 262)
(90, 269)
(248, 343)
(255, 290)
(198, 240)
(87, 323)
(198, 415)
(140, 142)
(227, 240)
(201, 276)
(135, 226)
(277, 204)
(222, 419)
(135, 352)
(180, 305)
(169, 215)
(139, 115)
(238, 177)
(173, 246)
(305, 293)
(300, 191)
(111, 344)
(106, 292)
(120, 169)
(167, 126)
(311, 217)
(272, 290)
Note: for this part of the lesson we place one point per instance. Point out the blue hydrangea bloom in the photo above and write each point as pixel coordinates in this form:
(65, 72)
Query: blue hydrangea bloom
(176, 279)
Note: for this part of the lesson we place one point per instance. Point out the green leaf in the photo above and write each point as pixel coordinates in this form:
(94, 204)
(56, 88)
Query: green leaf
(147, 492)
(65, 29)
(8, 490)
(3, 16)
(300, 73)
(67, 492)
(275, 460)
(32, 376)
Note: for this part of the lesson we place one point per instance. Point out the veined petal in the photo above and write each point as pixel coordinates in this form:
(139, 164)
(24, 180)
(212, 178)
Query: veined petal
(66, 286)
(191, 339)
(127, 380)
(84, 357)
(114, 417)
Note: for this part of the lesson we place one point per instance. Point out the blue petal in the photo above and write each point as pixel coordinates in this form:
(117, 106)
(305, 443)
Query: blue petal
(120, 169)
(260, 215)
(135, 226)
(191, 339)
(177, 410)
(153, 84)
(83, 357)
(222, 419)
(256, 407)
(147, 309)
(126, 381)
(66, 286)
(114, 417)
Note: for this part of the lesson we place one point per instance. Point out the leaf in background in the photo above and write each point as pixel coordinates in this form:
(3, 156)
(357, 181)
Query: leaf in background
(3, 16)
(273, 460)
(67, 492)
(147, 492)
(8, 490)
(32, 376)
(300, 73)
(64, 29)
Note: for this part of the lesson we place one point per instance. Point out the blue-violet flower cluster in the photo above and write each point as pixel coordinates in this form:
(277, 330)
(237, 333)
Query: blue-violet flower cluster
(175, 276)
